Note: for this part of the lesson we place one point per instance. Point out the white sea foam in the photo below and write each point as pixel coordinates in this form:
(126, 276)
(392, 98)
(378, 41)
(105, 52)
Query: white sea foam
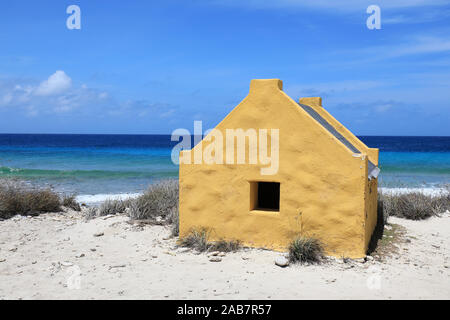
(425, 191)
(98, 198)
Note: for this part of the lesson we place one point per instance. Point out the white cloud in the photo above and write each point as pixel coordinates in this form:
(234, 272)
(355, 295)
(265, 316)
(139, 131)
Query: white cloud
(57, 96)
(383, 107)
(103, 95)
(56, 83)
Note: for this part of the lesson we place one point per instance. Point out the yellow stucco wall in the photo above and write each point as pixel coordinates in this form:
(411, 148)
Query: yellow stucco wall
(371, 194)
(323, 186)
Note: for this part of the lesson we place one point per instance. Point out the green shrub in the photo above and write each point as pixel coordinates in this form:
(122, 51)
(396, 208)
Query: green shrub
(305, 250)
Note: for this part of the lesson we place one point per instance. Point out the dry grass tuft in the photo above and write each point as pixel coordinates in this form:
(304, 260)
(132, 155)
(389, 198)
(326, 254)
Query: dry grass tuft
(305, 250)
(158, 205)
(69, 201)
(174, 220)
(18, 198)
(158, 201)
(225, 246)
(414, 205)
(91, 213)
(110, 207)
(198, 239)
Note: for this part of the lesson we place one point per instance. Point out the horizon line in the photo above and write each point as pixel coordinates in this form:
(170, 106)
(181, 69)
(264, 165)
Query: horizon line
(169, 134)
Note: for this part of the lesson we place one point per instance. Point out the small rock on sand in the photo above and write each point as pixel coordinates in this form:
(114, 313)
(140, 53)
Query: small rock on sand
(117, 266)
(215, 259)
(281, 261)
(99, 234)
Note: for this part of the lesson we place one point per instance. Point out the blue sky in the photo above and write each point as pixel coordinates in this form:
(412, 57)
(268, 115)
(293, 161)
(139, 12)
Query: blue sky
(154, 66)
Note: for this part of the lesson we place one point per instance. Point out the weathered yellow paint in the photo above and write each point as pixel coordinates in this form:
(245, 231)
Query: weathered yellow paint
(324, 189)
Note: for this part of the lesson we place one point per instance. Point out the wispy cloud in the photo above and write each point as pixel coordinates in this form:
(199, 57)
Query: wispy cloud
(392, 12)
(415, 16)
(328, 89)
(342, 5)
(411, 46)
(431, 48)
(420, 45)
(388, 117)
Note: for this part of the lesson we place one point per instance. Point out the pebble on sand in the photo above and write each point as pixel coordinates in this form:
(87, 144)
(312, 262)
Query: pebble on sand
(281, 261)
(215, 259)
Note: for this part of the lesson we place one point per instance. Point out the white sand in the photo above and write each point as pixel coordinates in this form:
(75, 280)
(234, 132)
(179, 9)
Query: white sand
(136, 263)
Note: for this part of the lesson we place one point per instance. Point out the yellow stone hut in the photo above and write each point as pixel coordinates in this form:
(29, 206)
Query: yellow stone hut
(320, 180)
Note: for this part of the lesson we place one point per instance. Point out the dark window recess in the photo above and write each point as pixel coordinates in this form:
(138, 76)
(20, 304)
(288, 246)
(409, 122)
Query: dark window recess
(268, 196)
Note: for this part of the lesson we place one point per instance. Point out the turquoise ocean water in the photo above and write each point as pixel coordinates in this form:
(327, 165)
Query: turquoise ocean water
(117, 164)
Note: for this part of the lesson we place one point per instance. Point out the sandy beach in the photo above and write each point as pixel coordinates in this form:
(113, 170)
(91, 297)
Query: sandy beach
(63, 256)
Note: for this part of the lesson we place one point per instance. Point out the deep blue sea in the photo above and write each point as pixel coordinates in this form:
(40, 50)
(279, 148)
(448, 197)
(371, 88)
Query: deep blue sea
(117, 164)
